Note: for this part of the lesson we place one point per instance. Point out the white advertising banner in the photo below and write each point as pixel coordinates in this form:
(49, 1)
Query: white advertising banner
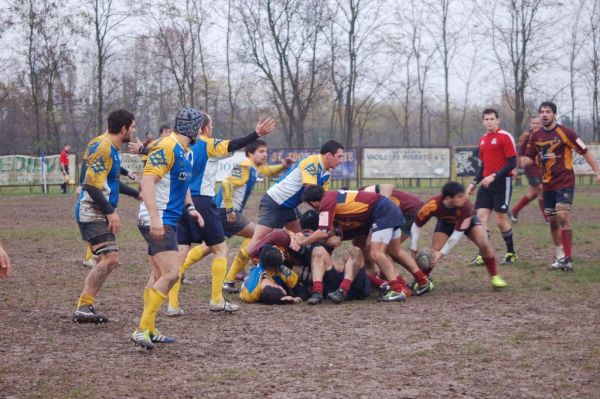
(134, 163)
(404, 163)
(21, 170)
(580, 165)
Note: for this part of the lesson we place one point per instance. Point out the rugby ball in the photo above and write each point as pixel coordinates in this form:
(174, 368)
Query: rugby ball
(424, 259)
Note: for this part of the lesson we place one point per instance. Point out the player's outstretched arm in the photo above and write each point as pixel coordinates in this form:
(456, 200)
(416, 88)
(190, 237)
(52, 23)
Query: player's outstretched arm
(4, 263)
(589, 157)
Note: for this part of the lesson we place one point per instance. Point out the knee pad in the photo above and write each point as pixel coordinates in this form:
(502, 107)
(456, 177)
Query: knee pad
(110, 247)
(550, 212)
(563, 207)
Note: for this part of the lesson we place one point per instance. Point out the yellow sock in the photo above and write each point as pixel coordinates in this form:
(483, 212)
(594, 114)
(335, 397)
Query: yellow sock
(239, 262)
(174, 293)
(146, 293)
(218, 269)
(154, 299)
(193, 256)
(85, 299)
(88, 253)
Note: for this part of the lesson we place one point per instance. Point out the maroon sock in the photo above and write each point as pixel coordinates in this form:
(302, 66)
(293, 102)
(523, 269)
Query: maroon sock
(520, 205)
(541, 205)
(421, 277)
(566, 237)
(490, 263)
(375, 280)
(317, 286)
(345, 286)
(398, 284)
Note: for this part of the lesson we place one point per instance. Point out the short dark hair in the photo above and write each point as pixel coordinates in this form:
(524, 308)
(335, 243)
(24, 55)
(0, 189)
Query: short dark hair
(255, 145)
(163, 128)
(270, 257)
(331, 146)
(548, 104)
(271, 296)
(452, 188)
(312, 192)
(489, 111)
(205, 120)
(118, 119)
(309, 220)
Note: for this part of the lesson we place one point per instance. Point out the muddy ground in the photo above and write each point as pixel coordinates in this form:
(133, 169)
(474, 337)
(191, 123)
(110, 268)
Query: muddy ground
(538, 339)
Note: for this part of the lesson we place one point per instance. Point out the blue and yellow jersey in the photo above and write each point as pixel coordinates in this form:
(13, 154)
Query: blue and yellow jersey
(170, 160)
(288, 190)
(237, 187)
(251, 289)
(203, 177)
(102, 170)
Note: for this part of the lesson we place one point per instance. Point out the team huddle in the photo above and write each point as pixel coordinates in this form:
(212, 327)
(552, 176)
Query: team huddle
(182, 218)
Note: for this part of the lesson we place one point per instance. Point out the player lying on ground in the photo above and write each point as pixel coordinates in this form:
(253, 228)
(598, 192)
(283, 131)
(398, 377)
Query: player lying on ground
(454, 214)
(358, 213)
(553, 146)
(206, 151)
(165, 187)
(270, 282)
(95, 211)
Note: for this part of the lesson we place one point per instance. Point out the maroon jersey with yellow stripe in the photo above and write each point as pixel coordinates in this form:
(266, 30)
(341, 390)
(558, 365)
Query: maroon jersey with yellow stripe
(554, 150)
(349, 209)
(436, 208)
(409, 204)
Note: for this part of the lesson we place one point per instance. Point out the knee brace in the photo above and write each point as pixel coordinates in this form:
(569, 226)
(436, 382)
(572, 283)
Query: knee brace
(563, 207)
(550, 212)
(106, 249)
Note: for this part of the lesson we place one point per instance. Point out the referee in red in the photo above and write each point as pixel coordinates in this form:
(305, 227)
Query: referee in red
(64, 167)
(498, 157)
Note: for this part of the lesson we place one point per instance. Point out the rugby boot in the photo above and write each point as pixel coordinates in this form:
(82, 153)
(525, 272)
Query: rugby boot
(509, 259)
(337, 296)
(223, 306)
(384, 288)
(87, 314)
(174, 312)
(563, 264)
(393, 296)
(89, 263)
(498, 282)
(419, 289)
(315, 299)
(157, 338)
(229, 287)
(477, 261)
(185, 280)
(512, 216)
(142, 338)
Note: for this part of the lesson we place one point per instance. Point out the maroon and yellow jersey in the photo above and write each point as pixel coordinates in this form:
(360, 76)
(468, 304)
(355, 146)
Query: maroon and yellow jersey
(534, 169)
(436, 208)
(349, 209)
(494, 149)
(409, 204)
(553, 149)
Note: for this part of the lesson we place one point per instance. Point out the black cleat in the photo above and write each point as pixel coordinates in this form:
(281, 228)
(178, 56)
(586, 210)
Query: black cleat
(337, 296)
(87, 314)
(315, 299)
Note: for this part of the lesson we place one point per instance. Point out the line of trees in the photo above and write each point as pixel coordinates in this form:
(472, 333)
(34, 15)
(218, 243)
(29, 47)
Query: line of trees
(365, 72)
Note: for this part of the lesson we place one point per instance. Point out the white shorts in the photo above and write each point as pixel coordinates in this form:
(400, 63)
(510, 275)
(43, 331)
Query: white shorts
(386, 235)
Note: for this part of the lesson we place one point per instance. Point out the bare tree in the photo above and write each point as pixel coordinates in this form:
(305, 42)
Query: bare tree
(593, 72)
(283, 40)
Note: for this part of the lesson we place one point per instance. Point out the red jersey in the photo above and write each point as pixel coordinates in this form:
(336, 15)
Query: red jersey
(534, 169)
(494, 149)
(278, 238)
(349, 209)
(554, 150)
(409, 204)
(436, 208)
(64, 158)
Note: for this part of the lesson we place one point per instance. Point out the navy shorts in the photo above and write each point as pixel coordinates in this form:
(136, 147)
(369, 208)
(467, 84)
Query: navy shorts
(408, 222)
(273, 215)
(188, 231)
(360, 288)
(496, 196)
(443, 226)
(96, 232)
(386, 215)
(232, 229)
(167, 243)
(561, 196)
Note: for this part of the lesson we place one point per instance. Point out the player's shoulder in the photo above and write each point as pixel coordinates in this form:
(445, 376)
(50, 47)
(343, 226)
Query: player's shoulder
(566, 130)
(505, 134)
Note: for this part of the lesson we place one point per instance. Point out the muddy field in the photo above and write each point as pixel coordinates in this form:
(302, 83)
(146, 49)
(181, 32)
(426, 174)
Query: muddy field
(537, 339)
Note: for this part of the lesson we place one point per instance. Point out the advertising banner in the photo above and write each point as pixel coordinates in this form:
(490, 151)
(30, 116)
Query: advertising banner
(346, 170)
(580, 166)
(404, 163)
(466, 159)
(21, 170)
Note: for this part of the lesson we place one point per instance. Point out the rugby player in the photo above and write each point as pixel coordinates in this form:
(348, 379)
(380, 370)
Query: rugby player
(533, 173)
(202, 188)
(455, 217)
(95, 211)
(165, 187)
(552, 146)
(498, 157)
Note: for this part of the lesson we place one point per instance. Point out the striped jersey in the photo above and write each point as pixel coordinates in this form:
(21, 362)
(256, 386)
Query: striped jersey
(288, 190)
(238, 185)
(204, 173)
(102, 170)
(170, 160)
(349, 209)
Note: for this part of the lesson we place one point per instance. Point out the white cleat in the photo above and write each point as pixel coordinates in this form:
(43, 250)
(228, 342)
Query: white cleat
(174, 312)
(223, 306)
